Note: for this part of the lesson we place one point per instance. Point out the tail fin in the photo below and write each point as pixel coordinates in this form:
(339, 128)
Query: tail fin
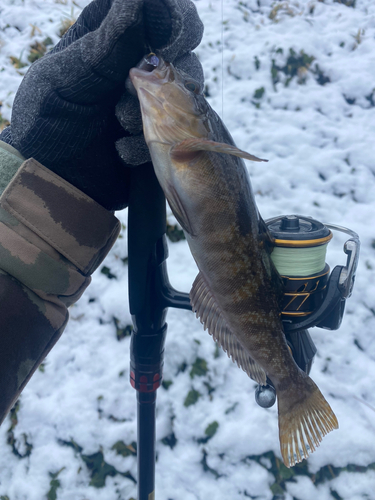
(302, 425)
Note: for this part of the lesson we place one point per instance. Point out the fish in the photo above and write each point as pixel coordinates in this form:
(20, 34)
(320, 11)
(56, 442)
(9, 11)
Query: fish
(237, 292)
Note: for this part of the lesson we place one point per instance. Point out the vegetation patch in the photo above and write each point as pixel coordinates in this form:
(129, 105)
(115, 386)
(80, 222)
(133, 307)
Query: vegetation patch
(170, 440)
(3, 122)
(98, 468)
(283, 475)
(296, 65)
(211, 429)
(122, 331)
(207, 468)
(38, 49)
(352, 100)
(20, 449)
(320, 77)
(192, 398)
(107, 272)
(348, 3)
(166, 384)
(231, 409)
(209, 432)
(54, 485)
(71, 444)
(199, 368)
(257, 96)
(280, 9)
(66, 23)
(182, 367)
(370, 98)
(174, 233)
(125, 450)
(16, 62)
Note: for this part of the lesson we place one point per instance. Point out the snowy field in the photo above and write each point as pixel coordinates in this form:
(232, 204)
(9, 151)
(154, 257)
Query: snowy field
(294, 82)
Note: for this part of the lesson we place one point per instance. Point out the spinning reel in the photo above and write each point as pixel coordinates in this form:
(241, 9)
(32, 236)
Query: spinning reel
(312, 295)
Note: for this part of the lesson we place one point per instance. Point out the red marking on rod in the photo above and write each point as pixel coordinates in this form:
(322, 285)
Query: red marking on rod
(156, 383)
(132, 379)
(143, 383)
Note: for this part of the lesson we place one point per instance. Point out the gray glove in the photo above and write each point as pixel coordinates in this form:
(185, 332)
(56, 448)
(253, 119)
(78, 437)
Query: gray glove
(64, 111)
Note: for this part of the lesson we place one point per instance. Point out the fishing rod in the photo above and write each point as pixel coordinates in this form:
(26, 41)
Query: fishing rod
(150, 295)
(312, 297)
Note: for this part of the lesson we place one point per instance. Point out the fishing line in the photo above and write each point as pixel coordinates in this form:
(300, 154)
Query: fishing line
(300, 245)
(222, 60)
(299, 261)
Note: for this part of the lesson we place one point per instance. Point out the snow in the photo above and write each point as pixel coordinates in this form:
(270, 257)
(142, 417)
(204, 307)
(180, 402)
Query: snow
(320, 146)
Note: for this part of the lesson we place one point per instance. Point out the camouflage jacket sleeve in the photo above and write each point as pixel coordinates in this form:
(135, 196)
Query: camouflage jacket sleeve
(52, 237)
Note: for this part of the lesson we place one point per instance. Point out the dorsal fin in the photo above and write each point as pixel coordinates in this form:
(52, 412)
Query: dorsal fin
(208, 311)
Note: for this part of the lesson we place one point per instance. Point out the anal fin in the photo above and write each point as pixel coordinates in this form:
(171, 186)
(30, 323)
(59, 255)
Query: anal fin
(208, 311)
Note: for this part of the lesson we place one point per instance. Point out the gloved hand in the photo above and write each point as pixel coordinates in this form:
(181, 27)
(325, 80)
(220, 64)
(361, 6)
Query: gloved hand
(53, 235)
(64, 111)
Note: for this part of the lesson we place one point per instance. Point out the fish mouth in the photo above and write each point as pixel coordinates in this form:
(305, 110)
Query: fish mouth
(146, 81)
(148, 78)
(148, 64)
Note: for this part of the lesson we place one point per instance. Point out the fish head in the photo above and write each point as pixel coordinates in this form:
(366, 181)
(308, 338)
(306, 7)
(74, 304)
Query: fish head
(172, 103)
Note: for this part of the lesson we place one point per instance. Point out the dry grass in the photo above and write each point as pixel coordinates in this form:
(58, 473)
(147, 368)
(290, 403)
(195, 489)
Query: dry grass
(3, 122)
(66, 23)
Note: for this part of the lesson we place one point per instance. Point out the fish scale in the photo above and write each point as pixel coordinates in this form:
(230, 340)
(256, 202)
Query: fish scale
(236, 294)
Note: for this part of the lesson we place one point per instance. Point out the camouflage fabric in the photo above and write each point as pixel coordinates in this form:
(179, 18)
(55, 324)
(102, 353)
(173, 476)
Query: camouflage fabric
(10, 162)
(52, 237)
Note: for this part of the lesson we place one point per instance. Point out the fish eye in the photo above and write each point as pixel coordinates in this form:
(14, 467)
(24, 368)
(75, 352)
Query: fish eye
(193, 87)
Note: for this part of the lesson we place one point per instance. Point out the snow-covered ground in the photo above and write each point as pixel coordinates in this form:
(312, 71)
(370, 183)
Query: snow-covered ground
(294, 83)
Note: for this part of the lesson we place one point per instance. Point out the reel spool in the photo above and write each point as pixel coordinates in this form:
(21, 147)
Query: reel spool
(312, 296)
(299, 257)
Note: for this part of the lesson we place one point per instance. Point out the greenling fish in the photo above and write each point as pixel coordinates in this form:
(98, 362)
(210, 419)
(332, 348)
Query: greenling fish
(237, 291)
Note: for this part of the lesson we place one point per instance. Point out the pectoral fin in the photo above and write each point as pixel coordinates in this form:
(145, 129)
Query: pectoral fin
(188, 148)
(178, 209)
(209, 313)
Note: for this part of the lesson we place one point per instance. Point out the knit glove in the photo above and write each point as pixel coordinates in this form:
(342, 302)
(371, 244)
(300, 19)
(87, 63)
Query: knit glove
(64, 111)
